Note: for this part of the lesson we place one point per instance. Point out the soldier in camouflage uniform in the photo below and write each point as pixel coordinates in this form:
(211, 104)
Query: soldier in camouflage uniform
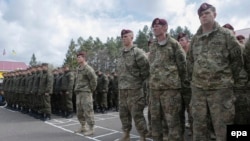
(133, 70)
(167, 75)
(185, 92)
(67, 91)
(246, 115)
(214, 63)
(101, 91)
(85, 84)
(45, 90)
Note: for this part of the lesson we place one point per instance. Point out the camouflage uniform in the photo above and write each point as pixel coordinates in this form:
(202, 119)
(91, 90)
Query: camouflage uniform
(133, 70)
(167, 75)
(67, 92)
(246, 109)
(85, 84)
(214, 65)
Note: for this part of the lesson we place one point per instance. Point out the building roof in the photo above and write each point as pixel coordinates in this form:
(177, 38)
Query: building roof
(245, 32)
(10, 66)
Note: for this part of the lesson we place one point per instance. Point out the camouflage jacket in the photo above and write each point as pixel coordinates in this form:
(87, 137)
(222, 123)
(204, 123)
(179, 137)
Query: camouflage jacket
(67, 81)
(133, 68)
(86, 79)
(214, 59)
(102, 83)
(46, 83)
(247, 60)
(167, 65)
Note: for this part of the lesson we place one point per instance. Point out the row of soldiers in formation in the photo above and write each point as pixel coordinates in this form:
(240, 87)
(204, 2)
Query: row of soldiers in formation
(40, 91)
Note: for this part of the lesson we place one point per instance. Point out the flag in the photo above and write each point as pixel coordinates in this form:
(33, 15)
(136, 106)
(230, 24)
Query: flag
(4, 52)
(13, 52)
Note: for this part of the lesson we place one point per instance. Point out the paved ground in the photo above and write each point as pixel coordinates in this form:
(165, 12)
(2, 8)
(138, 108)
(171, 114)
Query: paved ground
(15, 126)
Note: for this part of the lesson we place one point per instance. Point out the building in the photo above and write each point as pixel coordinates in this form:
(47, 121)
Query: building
(6, 66)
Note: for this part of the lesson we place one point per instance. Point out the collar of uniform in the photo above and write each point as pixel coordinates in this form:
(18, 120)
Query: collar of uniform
(166, 41)
(215, 28)
(82, 67)
(127, 49)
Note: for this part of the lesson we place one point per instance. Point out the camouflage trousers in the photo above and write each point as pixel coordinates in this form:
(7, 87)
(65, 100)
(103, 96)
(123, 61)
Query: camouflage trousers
(131, 104)
(165, 109)
(242, 106)
(219, 104)
(84, 108)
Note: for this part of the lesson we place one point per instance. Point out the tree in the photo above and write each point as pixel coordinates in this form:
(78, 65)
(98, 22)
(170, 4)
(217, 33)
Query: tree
(174, 33)
(142, 38)
(33, 61)
(71, 56)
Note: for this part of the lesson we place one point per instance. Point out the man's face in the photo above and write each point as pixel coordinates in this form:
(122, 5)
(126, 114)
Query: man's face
(127, 39)
(183, 41)
(80, 59)
(242, 41)
(159, 30)
(207, 17)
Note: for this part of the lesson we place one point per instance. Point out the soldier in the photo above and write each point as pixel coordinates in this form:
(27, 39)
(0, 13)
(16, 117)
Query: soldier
(67, 91)
(101, 91)
(167, 75)
(214, 65)
(247, 96)
(133, 70)
(185, 93)
(241, 39)
(114, 91)
(45, 90)
(85, 84)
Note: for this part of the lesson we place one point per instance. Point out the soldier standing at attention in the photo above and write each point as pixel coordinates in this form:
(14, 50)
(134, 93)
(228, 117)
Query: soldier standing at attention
(85, 84)
(67, 91)
(185, 92)
(101, 91)
(167, 74)
(214, 64)
(45, 90)
(133, 70)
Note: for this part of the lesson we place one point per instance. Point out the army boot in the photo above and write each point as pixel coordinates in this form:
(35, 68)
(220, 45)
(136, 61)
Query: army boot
(125, 137)
(89, 132)
(81, 130)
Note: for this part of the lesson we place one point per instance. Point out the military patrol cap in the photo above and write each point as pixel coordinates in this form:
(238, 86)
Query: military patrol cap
(228, 26)
(81, 53)
(204, 6)
(159, 21)
(240, 37)
(181, 35)
(126, 31)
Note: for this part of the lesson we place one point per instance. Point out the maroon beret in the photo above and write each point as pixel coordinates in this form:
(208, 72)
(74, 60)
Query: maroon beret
(203, 7)
(81, 53)
(159, 21)
(181, 35)
(239, 37)
(228, 26)
(125, 31)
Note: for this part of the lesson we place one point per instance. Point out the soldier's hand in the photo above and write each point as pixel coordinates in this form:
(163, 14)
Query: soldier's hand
(46, 94)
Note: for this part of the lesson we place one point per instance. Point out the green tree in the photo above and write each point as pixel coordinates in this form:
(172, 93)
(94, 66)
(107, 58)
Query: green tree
(142, 38)
(71, 55)
(174, 33)
(33, 61)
